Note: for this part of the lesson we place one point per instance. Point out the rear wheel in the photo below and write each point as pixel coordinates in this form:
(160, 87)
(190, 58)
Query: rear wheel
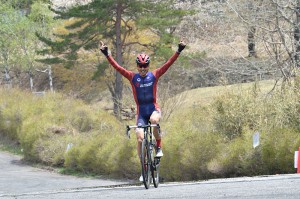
(145, 164)
(155, 171)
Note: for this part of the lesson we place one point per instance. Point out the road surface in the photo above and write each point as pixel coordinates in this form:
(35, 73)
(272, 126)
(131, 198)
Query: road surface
(24, 182)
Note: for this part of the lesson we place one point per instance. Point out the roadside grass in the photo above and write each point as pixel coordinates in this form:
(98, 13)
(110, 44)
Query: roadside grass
(209, 135)
(10, 146)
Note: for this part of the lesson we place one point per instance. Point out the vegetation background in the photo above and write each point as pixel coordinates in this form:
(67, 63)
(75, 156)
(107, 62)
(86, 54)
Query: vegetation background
(214, 98)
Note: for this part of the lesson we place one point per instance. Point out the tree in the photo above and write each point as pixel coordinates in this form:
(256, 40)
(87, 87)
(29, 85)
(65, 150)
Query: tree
(18, 43)
(8, 46)
(253, 10)
(40, 19)
(23, 5)
(277, 28)
(297, 34)
(114, 21)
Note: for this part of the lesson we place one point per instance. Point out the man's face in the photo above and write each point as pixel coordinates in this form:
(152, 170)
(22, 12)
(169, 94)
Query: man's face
(143, 69)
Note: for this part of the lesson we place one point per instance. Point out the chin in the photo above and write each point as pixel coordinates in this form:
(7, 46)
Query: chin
(143, 73)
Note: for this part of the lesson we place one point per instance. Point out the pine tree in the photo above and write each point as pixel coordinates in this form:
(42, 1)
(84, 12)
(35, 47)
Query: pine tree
(111, 20)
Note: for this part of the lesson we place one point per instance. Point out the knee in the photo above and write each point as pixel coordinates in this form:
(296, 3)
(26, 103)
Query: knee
(154, 120)
(139, 139)
(139, 135)
(155, 117)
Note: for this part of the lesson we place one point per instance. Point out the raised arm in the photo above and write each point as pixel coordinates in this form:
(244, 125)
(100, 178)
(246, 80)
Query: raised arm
(126, 73)
(160, 71)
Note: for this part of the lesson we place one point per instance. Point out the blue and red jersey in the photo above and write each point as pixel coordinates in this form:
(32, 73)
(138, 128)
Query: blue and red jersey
(144, 88)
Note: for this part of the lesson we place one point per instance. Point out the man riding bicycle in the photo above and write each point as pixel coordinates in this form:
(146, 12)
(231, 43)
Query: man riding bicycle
(144, 88)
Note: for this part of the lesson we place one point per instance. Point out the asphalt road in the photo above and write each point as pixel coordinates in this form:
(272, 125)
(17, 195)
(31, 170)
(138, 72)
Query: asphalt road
(25, 182)
(17, 178)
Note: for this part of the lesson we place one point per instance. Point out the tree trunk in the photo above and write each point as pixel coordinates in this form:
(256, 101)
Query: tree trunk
(7, 77)
(253, 10)
(297, 35)
(251, 42)
(50, 78)
(252, 30)
(118, 87)
(31, 81)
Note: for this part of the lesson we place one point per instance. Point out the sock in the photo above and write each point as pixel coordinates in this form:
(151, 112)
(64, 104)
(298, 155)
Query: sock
(158, 143)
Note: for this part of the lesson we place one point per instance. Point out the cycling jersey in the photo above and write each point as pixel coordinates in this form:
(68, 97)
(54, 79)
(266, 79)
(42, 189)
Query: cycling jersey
(144, 88)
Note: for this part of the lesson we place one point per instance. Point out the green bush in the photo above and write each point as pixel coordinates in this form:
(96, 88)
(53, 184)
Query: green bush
(105, 153)
(277, 150)
(200, 142)
(187, 147)
(10, 114)
(228, 160)
(274, 115)
(275, 155)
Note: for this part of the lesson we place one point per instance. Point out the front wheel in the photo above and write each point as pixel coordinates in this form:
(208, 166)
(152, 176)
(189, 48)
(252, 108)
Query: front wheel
(145, 164)
(155, 171)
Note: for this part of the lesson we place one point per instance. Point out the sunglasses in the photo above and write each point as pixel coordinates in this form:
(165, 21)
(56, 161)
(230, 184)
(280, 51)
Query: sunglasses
(143, 65)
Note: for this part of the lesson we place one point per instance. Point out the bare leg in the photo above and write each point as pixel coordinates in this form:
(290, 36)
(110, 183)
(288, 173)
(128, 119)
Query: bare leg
(154, 119)
(140, 137)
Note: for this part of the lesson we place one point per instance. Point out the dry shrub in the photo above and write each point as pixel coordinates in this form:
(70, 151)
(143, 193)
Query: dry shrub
(105, 153)
(51, 151)
(51, 123)
(275, 116)
(228, 160)
(230, 114)
(274, 155)
(10, 113)
(187, 147)
(277, 150)
(199, 142)
(216, 140)
(80, 126)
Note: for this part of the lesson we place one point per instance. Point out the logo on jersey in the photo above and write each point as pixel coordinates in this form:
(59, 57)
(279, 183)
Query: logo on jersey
(146, 85)
(138, 79)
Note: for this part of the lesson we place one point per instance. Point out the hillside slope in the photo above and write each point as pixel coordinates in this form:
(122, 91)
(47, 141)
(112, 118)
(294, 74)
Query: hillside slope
(201, 96)
(216, 55)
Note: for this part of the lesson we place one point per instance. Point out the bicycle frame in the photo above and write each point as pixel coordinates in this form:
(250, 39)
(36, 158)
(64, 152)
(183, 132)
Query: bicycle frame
(148, 133)
(151, 163)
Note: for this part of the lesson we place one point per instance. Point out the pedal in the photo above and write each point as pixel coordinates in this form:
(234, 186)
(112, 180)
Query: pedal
(157, 160)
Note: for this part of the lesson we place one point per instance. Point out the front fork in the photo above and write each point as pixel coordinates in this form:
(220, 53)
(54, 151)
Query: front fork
(154, 160)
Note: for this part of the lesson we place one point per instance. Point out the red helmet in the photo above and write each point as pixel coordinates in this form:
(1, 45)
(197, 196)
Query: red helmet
(143, 59)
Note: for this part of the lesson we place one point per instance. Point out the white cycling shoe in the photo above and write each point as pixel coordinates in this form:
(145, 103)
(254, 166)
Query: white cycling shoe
(141, 178)
(159, 153)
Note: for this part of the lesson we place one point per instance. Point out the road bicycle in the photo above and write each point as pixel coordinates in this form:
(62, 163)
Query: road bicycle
(149, 163)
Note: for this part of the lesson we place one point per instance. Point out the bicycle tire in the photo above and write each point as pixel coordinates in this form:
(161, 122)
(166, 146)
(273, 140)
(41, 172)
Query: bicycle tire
(145, 164)
(155, 171)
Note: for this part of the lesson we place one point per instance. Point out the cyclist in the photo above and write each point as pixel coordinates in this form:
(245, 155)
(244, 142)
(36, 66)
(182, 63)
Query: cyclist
(144, 87)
